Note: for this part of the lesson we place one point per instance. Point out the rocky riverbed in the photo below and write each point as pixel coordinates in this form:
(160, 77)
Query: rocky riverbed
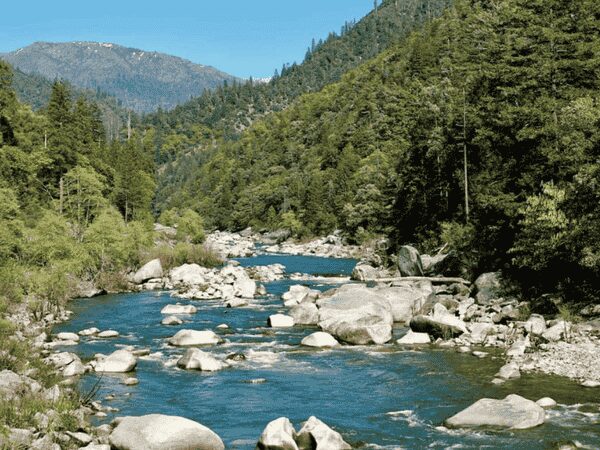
(300, 336)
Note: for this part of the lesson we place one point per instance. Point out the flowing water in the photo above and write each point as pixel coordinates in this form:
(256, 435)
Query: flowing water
(376, 396)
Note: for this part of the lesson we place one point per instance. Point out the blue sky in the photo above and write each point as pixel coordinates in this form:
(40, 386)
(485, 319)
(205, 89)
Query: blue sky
(242, 37)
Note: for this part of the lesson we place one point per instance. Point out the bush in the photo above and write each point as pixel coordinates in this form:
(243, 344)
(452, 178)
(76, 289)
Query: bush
(190, 227)
(183, 253)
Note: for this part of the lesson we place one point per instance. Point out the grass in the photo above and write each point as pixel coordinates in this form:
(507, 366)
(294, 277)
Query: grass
(183, 253)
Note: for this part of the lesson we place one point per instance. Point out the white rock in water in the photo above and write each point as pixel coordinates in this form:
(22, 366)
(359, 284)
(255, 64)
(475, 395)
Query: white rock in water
(281, 321)
(193, 337)
(591, 384)
(152, 269)
(546, 402)
(171, 320)
(236, 302)
(120, 361)
(89, 332)
(305, 314)
(279, 434)
(514, 412)
(179, 309)
(295, 295)
(320, 339)
(316, 434)
(195, 359)
(411, 338)
(223, 326)
(108, 334)
(160, 432)
(509, 372)
(131, 381)
(67, 337)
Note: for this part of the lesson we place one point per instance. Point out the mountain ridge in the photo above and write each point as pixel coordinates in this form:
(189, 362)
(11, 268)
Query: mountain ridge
(143, 80)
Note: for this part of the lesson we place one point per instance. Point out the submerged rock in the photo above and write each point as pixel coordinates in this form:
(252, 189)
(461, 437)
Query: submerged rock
(278, 435)
(514, 412)
(193, 337)
(159, 432)
(108, 334)
(546, 402)
(171, 320)
(320, 339)
(120, 361)
(509, 372)
(316, 435)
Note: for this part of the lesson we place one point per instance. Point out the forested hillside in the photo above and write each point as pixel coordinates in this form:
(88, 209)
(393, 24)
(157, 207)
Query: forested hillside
(184, 134)
(72, 206)
(230, 109)
(144, 81)
(35, 90)
(481, 131)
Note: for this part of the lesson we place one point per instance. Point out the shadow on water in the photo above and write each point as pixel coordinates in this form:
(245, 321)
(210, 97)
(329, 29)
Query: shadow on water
(376, 396)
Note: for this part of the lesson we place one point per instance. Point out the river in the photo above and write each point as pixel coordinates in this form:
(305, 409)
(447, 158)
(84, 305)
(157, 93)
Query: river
(376, 396)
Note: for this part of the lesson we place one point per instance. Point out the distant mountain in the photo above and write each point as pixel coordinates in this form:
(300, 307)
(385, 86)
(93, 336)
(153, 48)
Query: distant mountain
(143, 81)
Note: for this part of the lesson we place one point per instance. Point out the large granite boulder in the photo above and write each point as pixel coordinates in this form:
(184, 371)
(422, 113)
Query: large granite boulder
(195, 359)
(409, 262)
(188, 274)
(120, 361)
(488, 287)
(295, 295)
(514, 412)
(280, 321)
(535, 325)
(357, 315)
(412, 338)
(159, 432)
(441, 324)
(13, 385)
(366, 272)
(406, 300)
(305, 314)
(279, 434)
(316, 435)
(152, 269)
(184, 338)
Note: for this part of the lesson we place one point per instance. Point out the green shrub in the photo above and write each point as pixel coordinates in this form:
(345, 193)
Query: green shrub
(190, 227)
(183, 253)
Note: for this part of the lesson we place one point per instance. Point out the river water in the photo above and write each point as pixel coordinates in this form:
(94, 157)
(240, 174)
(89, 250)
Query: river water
(376, 396)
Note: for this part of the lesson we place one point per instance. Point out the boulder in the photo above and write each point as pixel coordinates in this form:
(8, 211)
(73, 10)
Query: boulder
(409, 262)
(480, 331)
(185, 338)
(67, 337)
(591, 384)
(412, 338)
(305, 314)
(159, 432)
(131, 381)
(365, 272)
(12, 385)
(62, 359)
(514, 412)
(488, 287)
(280, 321)
(357, 315)
(188, 274)
(509, 371)
(433, 264)
(320, 339)
(295, 295)
(171, 320)
(546, 402)
(120, 361)
(243, 286)
(278, 435)
(195, 359)
(441, 325)
(89, 332)
(315, 434)
(558, 331)
(236, 302)
(405, 301)
(108, 334)
(179, 309)
(152, 269)
(74, 368)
